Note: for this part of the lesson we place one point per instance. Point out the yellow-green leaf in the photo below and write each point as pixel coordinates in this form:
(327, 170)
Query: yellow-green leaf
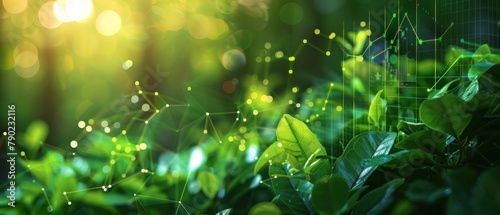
(274, 153)
(376, 110)
(209, 183)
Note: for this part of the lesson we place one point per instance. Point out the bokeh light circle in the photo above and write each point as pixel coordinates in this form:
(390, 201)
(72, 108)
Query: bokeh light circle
(15, 6)
(291, 13)
(47, 17)
(233, 59)
(108, 23)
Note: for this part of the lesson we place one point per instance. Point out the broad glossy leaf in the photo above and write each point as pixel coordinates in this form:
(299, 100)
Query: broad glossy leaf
(481, 53)
(410, 127)
(382, 159)
(365, 145)
(410, 159)
(471, 91)
(486, 192)
(330, 194)
(376, 110)
(438, 93)
(446, 114)
(209, 183)
(378, 199)
(428, 140)
(264, 208)
(292, 194)
(299, 141)
(274, 153)
(478, 69)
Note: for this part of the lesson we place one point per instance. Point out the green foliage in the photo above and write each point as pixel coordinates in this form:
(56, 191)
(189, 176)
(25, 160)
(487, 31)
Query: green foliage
(447, 114)
(264, 208)
(330, 194)
(376, 110)
(302, 148)
(366, 145)
(209, 183)
(377, 200)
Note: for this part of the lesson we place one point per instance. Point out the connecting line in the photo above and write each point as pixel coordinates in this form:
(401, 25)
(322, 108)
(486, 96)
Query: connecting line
(447, 70)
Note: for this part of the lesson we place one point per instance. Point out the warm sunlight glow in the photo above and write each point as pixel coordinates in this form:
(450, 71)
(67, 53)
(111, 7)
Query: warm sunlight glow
(15, 6)
(72, 10)
(108, 23)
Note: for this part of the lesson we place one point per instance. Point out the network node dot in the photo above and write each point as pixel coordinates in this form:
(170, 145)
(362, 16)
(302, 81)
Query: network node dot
(167, 105)
(64, 193)
(207, 113)
(304, 41)
(69, 203)
(146, 122)
(317, 31)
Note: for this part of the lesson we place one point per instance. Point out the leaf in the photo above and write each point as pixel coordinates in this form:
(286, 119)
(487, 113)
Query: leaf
(471, 91)
(224, 212)
(446, 114)
(410, 159)
(461, 182)
(375, 201)
(297, 140)
(481, 53)
(274, 153)
(410, 127)
(430, 141)
(365, 145)
(264, 208)
(486, 192)
(330, 194)
(209, 183)
(35, 135)
(424, 191)
(376, 110)
(381, 159)
(292, 194)
(438, 93)
(478, 69)
(353, 198)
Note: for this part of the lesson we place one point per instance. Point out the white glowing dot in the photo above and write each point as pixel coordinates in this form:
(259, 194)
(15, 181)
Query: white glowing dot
(108, 23)
(64, 193)
(73, 144)
(143, 146)
(145, 107)
(167, 105)
(207, 113)
(72, 10)
(127, 64)
(146, 122)
(255, 112)
(81, 124)
(69, 203)
(88, 128)
(4, 133)
(134, 99)
(107, 130)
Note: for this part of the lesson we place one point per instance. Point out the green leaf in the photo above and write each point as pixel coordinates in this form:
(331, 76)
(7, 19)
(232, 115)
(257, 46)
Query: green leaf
(410, 127)
(410, 159)
(481, 53)
(330, 194)
(381, 159)
(486, 192)
(424, 191)
(35, 135)
(209, 183)
(446, 114)
(461, 182)
(376, 110)
(438, 93)
(224, 212)
(264, 208)
(353, 198)
(297, 140)
(471, 91)
(378, 199)
(478, 69)
(292, 194)
(428, 140)
(274, 153)
(365, 145)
